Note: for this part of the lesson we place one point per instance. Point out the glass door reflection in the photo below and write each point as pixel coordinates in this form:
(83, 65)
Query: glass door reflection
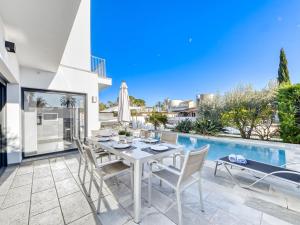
(51, 120)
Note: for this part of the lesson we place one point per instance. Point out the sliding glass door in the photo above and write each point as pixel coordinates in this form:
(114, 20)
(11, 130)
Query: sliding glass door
(51, 120)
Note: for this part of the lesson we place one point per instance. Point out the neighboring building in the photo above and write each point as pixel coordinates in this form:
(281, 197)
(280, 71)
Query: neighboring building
(204, 97)
(49, 85)
(182, 108)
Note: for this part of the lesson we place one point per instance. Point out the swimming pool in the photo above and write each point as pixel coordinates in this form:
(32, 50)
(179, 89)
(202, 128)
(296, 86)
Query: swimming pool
(220, 149)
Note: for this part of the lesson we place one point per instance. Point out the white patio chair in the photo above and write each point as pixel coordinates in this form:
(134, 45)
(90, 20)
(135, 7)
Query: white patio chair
(172, 139)
(145, 134)
(100, 152)
(169, 137)
(104, 171)
(82, 159)
(179, 180)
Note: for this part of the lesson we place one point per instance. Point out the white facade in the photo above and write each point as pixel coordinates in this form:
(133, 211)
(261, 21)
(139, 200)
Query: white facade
(179, 105)
(40, 70)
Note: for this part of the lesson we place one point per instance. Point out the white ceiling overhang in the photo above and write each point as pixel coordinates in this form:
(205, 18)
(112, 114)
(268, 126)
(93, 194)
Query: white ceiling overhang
(40, 29)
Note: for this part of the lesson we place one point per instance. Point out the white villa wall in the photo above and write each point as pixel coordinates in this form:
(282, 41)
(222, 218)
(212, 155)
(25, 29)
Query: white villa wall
(68, 80)
(73, 75)
(9, 66)
(77, 53)
(13, 120)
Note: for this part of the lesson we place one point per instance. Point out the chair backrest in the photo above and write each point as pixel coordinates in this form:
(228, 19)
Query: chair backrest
(145, 134)
(79, 146)
(169, 137)
(193, 162)
(90, 155)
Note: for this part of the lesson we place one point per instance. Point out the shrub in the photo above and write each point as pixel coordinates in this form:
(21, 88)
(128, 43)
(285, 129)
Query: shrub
(207, 127)
(289, 113)
(124, 132)
(184, 126)
(209, 116)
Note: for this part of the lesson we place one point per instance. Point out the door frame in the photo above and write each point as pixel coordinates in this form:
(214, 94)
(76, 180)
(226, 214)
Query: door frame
(3, 142)
(23, 89)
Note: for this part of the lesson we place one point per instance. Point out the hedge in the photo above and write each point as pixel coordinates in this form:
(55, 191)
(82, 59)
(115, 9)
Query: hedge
(289, 113)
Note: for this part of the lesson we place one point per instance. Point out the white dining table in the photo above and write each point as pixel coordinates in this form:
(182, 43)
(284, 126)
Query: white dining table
(137, 157)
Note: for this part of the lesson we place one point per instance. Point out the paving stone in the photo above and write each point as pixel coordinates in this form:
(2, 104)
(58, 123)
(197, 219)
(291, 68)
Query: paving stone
(41, 184)
(90, 219)
(61, 174)
(16, 196)
(40, 172)
(66, 187)
(17, 214)
(74, 206)
(159, 200)
(111, 212)
(271, 220)
(50, 217)
(25, 168)
(156, 218)
(274, 210)
(21, 180)
(43, 201)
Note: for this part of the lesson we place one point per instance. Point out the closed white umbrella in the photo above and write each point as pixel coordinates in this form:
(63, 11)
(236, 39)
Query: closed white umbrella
(123, 107)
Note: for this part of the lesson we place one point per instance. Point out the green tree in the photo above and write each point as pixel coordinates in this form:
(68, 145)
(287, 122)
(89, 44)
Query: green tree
(102, 106)
(112, 104)
(289, 113)
(283, 72)
(209, 116)
(136, 101)
(245, 108)
(158, 118)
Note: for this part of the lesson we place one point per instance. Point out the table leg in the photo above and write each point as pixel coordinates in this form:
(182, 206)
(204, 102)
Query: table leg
(137, 191)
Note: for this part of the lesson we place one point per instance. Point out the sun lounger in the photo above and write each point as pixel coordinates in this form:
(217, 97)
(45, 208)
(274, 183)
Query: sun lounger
(263, 169)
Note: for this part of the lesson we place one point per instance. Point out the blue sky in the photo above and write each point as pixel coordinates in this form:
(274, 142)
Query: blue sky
(177, 49)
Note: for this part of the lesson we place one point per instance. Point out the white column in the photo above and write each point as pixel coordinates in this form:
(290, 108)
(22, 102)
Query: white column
(13, 124)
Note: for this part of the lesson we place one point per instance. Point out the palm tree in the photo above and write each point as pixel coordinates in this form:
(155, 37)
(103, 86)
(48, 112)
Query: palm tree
(158, 105)
(68, 101)
(41, 102)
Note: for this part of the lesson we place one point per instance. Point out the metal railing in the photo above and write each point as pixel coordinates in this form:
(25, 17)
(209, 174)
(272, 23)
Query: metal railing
(98, 66)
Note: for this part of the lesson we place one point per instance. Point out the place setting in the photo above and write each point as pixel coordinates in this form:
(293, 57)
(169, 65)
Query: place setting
(150, 140)
(156, 148)
(103, 139)
(123, 145)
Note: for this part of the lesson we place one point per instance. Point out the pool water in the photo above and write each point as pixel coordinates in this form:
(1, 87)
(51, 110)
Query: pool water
(220, 149)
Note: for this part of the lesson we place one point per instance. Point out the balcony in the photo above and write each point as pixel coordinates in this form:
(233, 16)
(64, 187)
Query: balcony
(98, 66)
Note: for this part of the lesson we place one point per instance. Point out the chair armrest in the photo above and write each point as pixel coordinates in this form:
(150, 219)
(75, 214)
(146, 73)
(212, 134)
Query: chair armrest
(163, 166)
(109, 163)
(179, 154)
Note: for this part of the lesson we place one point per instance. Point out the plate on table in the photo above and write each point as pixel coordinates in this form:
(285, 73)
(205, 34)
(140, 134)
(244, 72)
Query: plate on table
(120, 145)
(150, 140)
(103, 139)
(104, 135)
(159, 148)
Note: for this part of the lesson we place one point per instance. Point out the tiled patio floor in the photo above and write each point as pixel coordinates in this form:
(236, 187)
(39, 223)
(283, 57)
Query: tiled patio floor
(48, 192)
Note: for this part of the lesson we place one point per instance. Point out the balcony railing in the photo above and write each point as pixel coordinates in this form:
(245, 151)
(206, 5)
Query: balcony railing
(98, 66)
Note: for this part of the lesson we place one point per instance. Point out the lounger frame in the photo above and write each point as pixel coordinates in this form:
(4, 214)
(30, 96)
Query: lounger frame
(220, 162)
